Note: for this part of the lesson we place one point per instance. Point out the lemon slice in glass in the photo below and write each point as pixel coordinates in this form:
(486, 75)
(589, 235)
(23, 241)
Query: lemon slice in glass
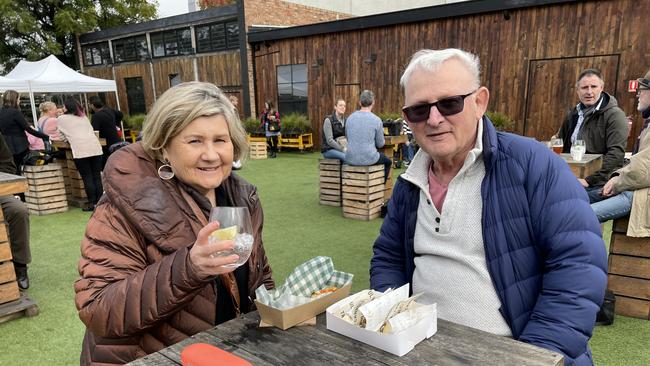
(228, 233)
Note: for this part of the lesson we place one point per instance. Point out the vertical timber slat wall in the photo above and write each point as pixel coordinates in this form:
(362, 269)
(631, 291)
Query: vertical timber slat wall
(608, 34)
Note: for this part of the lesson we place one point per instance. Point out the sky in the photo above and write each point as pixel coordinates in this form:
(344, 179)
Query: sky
(167, 8)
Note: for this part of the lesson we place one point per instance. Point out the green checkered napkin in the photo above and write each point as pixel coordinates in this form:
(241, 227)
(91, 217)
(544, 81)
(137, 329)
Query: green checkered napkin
(313, 275)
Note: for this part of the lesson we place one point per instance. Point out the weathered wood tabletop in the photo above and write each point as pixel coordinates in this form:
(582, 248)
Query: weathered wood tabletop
(12, 184)
(453, 344)
(589, 164)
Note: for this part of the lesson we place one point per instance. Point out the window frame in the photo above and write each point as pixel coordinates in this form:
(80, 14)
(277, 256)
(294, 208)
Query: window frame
(129, 49)
(100, 48)
(220, 36)
(294, 102)
(183, 46)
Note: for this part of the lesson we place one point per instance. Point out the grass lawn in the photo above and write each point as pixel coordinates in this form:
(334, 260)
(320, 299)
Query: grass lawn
(296, 228)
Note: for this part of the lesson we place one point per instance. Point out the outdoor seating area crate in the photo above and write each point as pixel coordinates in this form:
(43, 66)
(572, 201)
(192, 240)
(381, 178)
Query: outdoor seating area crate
(300, 141)
(46, 193)
(362, 191)
(257, 150)
(629, 271)
(329, 182)
(8, 286)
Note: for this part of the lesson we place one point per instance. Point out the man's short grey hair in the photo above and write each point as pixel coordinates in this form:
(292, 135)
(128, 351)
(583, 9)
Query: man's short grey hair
(431, 60)
(366, 98)
(590, 72)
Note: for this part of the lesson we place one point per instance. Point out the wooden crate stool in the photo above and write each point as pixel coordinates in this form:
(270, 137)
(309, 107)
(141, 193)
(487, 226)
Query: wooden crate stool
(629, 272)
(329, 182)
(46, 194)
(257, 150)
(363, 191)
(8, 285)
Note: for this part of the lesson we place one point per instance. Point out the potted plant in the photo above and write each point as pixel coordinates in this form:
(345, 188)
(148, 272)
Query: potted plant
(501, 121)
(134, 124)
(252, 127)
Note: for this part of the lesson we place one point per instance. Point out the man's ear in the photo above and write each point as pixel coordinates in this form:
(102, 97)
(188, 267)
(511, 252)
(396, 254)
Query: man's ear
(482, 100)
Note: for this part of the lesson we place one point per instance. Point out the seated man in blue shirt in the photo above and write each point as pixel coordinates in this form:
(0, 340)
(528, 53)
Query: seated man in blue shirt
(491, 226)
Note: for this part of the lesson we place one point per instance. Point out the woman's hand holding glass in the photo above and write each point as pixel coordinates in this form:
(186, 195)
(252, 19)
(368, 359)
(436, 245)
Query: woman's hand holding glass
(205, 264)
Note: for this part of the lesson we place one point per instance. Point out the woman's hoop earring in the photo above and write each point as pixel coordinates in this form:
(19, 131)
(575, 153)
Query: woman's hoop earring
(165, 171)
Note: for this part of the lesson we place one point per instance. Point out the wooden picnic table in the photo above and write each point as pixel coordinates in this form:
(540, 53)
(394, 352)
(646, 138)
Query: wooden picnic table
(453, 344)
(12, 184)
(589, 164)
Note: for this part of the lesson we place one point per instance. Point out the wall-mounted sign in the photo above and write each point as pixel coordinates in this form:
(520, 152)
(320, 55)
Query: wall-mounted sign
(632, 86)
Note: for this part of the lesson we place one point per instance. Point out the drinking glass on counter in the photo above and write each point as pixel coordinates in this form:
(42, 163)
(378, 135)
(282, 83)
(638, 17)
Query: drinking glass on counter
(557, 145)
(578, 150)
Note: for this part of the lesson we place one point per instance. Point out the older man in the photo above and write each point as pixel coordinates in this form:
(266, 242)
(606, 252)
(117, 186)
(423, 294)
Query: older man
(601, 124)
(491, 226)
(628, 190)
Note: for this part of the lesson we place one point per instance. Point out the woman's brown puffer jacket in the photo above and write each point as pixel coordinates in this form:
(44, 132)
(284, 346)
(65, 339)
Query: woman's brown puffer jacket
(138, 293)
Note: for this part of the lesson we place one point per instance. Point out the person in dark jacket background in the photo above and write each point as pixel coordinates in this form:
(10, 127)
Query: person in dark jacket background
(601, 124)
(105, 121)
(491, 226)
(13, 127)
(17, 218)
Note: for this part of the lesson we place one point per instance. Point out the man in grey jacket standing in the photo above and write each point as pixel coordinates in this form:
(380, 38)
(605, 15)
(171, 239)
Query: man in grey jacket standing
(602, 125)
(365, 134)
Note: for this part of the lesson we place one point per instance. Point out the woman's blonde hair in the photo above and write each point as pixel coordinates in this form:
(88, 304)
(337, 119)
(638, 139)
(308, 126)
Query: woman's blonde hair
(46, 106)
(179, 106)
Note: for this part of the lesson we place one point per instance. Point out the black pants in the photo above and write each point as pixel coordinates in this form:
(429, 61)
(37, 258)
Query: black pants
(90, 169)
(272, 141)
(383, 159)
(18, 161)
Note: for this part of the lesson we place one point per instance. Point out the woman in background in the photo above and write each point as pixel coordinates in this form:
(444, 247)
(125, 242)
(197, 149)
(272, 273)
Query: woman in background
(271, 122)
(87, 152)
(13, 127)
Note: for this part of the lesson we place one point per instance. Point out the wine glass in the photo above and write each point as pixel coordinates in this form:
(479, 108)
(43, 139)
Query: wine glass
(235, 225)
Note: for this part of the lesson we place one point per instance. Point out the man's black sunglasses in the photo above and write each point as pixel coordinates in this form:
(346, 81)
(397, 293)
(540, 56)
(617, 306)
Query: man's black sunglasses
(446, 107)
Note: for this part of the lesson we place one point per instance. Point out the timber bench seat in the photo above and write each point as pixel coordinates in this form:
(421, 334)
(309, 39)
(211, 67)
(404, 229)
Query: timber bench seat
(362, 191)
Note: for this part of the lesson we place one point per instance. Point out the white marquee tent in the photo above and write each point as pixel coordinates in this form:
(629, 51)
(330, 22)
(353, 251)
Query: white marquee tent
(50, 75)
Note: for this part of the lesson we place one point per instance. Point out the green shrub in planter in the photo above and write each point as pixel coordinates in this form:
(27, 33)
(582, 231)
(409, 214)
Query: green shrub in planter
(252, 126)
(295, 123)
(501, 121)
(134, 122)
(387, 116)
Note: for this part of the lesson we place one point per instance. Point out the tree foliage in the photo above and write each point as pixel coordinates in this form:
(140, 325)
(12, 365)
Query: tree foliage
(33, 29)
(204, 4)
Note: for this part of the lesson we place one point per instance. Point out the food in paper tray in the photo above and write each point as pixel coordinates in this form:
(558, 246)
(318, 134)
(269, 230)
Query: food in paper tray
(325, 291)
(388, 312)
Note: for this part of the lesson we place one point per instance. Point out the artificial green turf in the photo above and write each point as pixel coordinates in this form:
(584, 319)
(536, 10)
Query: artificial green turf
(296, 228)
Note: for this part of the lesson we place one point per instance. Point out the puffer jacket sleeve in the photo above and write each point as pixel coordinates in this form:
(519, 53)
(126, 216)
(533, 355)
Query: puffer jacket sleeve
(574, 275)
(615, 139)
(388, 263)
(119, 293)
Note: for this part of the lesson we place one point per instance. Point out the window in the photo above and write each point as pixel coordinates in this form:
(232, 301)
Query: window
(135, 95)
(292, 88)
(171, 43)
(174, 79)
(96, 54)
(130, 49)
(217, 37)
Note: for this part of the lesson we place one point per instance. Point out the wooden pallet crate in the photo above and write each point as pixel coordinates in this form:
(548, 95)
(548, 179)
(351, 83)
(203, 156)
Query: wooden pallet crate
(46, 194)
(257, 150)
(362, 191)
(8, 286)
(629, 272)
(329, 184)
(23, 306)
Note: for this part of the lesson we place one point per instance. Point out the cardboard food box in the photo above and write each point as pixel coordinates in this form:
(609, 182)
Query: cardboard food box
(285, 319)
(396, 343)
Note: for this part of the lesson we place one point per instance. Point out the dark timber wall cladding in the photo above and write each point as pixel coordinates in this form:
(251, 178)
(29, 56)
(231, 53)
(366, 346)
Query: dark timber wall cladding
(103, 72)
(530, 57)
(222, 69)
(163, 68)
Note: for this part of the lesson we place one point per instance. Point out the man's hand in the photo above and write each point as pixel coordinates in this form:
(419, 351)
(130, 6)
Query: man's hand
(583, 182)
(608, 189)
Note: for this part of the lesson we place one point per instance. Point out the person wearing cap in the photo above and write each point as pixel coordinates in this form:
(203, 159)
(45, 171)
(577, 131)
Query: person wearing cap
(601, 124)
(491, 226)
(628, 189)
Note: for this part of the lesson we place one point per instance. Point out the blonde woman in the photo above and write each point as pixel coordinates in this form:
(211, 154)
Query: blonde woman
(148, 279)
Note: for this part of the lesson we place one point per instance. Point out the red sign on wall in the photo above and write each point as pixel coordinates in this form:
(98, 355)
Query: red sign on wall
(632, 86)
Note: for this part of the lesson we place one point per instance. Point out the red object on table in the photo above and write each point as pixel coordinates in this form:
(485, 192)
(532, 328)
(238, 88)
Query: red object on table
(203, 354)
